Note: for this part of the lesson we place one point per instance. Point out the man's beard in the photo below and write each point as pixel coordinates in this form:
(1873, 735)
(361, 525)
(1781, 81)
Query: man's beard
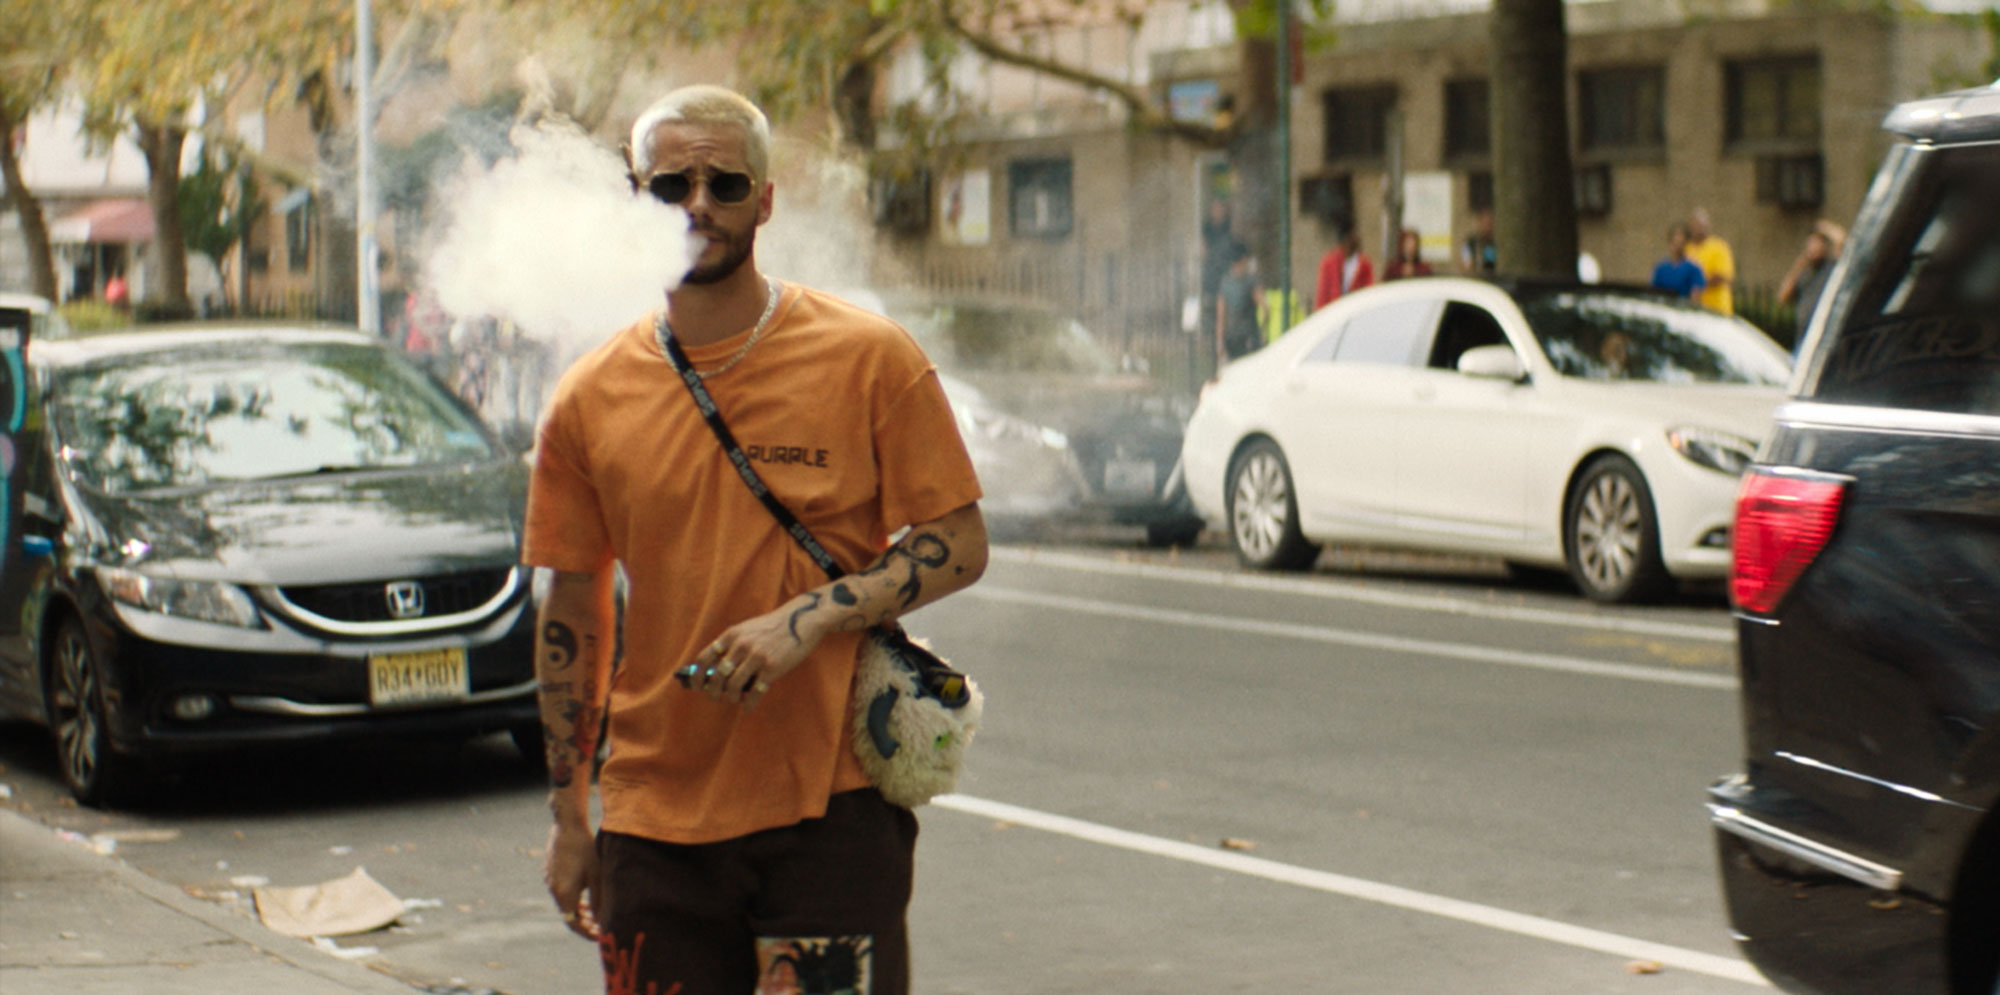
(735, 252)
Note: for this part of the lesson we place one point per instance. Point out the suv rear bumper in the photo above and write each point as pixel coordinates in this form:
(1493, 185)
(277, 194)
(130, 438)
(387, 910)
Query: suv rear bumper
(1790, 886)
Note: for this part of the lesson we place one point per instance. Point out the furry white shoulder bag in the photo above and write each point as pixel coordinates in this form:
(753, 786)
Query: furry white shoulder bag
(913, 717)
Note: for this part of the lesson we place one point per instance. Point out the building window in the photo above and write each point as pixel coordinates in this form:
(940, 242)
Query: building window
(901, 202)
(1329, 199)
(1468, 135)
(1773, 103)
(1593, 191)
(1791, 180)
(1479, 190)
(299, 234)
(1622, 110)
(1357, 123)
(1038, 198)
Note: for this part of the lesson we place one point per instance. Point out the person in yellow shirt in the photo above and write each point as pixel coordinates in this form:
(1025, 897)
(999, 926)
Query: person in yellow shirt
(1718, 264)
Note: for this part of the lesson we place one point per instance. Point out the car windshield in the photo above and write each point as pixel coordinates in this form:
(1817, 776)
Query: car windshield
(990, 339)
(1600, 335)
(247, 412)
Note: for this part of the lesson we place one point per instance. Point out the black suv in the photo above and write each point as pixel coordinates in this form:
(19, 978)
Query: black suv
(1859, 847)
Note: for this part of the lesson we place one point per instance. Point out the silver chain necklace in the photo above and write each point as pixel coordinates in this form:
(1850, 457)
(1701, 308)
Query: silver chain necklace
(661, 330)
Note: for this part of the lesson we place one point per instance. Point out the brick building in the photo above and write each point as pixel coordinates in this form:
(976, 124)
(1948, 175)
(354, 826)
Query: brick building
(1763, 112)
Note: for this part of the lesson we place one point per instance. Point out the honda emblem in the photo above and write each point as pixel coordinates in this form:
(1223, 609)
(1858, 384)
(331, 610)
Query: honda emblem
(406, 599)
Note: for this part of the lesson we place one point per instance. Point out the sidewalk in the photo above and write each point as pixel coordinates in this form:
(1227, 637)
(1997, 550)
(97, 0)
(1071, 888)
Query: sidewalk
(76, 923)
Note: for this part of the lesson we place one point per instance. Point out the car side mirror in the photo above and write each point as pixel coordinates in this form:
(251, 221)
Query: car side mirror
(1492, 362)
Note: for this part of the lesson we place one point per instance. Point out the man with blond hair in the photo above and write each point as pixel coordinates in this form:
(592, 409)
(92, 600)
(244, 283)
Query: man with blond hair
(740, 843)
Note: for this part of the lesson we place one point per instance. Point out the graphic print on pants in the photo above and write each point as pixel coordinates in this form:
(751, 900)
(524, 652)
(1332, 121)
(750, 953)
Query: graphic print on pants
(621, 968)
(813, 965)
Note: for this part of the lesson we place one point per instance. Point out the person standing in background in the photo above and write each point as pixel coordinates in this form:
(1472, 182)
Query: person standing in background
(1345, 267)
(1217, 237)
(1807, 277)
(1677, 274)
(1717, 262)
(1239, 312)
(1478, 255)
(1409, 259)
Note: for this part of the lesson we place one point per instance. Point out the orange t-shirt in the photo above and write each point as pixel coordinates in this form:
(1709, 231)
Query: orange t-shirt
(843, 417)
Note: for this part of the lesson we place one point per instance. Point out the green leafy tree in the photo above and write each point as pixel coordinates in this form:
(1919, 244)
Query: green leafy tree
(218, 205)
(36, 40)
(162, 69)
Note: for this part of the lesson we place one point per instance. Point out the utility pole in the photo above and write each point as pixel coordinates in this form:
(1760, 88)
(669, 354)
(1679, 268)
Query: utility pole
(368, 254)
(1284, 185)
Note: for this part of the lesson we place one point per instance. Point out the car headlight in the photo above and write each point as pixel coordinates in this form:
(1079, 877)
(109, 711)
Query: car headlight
(1721, 451)
(200, 600)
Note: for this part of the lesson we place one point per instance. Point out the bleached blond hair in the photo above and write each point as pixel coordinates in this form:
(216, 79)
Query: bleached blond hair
(705, 104)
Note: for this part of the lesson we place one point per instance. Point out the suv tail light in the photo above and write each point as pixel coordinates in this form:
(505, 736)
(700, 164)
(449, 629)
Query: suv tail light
(1783, 520)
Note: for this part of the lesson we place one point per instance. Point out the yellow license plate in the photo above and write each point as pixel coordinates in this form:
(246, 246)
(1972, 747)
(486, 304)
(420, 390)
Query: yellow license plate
(420, 678)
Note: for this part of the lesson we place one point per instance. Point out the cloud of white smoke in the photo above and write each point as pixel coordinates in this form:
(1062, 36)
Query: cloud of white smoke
(552, 240)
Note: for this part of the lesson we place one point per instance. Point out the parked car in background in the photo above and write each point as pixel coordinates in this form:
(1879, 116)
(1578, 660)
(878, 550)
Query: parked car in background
(242, 536)
(1594, 429)
(1859, 848)
(1034, 374)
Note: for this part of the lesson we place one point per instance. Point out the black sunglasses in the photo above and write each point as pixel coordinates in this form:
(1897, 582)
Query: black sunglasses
(724, 188)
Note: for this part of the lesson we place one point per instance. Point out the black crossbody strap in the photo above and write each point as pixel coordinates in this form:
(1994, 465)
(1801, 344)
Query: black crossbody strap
(737, 458)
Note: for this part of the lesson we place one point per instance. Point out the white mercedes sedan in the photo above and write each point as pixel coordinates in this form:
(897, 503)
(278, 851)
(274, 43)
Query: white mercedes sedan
(1596, 430)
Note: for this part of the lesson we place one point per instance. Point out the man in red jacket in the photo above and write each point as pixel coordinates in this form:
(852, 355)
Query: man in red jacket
(1345, 267)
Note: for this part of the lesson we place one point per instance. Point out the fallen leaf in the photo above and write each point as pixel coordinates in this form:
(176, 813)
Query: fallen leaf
(1644, 967)
(1232, 843)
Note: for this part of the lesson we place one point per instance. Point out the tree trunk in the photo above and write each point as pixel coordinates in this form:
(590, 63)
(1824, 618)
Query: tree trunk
(854, 104)
(166, 293)
(34, 226)
(1534, 207)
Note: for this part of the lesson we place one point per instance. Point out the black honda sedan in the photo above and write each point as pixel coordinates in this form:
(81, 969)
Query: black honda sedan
(1860, 848)
(251, 536)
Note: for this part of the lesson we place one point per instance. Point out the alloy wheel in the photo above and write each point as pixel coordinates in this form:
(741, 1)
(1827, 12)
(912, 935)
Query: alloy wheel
(75, 704)
(1610, 525)
(1261, 511)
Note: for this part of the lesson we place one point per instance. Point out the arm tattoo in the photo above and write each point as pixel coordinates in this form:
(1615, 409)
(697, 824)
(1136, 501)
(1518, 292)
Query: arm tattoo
(922, 550)
(792, 623)
(562, 644)
(577, 708)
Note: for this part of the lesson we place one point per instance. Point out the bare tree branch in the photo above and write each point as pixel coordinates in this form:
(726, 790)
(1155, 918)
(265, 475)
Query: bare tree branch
(1145, 113)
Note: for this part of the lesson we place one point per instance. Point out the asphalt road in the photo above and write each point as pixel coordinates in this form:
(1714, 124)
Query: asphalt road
(1387, 776)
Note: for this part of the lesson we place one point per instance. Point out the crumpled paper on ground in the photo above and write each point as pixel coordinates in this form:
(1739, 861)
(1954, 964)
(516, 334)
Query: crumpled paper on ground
(356, 903)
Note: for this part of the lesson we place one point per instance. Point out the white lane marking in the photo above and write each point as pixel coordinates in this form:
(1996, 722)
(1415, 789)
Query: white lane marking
(1729, 968)
(1349, 591)
(1345, 637)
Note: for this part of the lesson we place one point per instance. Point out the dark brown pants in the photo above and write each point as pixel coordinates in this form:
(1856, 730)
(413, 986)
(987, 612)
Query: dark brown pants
(813, 909)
